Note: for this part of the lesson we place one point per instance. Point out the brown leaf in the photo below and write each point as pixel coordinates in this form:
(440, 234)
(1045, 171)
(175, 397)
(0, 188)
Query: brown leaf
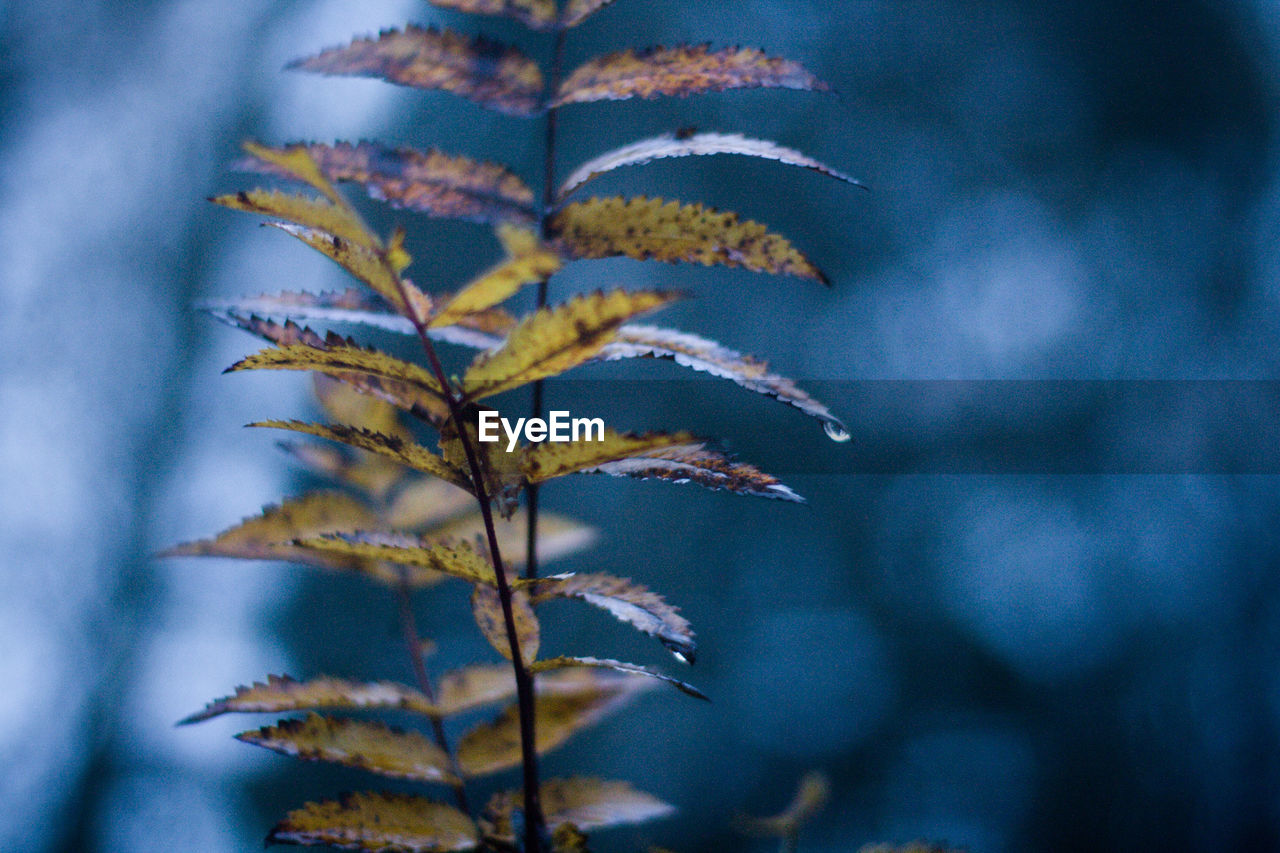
(626, 601)
(528, 262)
(707, 356)
(406, 453)
(811, 795)
(535, 14)
(585, 803)
(430, 181)
(551, 664)
(486, 72)
(486, 606)
(548, 460)
(267, 536)
(458, 560)
(695, 464)
(282, 693)
(684, 70)
(652, 229)
(367, 745)
(553, 340)
(495, 746)
(698, 144)
(387, 823)
(577, 11)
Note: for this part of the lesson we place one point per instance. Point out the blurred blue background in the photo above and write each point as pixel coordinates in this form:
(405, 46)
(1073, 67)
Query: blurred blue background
(1051, 661)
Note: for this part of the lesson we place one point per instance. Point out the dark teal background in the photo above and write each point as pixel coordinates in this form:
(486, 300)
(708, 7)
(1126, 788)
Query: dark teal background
(1066, 659)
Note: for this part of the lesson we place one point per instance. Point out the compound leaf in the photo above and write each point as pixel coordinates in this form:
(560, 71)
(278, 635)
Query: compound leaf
(548, 460)
(367, 745)
(282, 693)
(639, 341)
(486, 606)
(617, 666)
(553, 340)
(626, 601)
(388, 823)
(491, 747)
(459, 560)
(653, 229)
(696, 464)
(430, 181)
(535, 14)
(691, 145)
(486, 72)
(683, 70)
(407, 453)
(585, 803)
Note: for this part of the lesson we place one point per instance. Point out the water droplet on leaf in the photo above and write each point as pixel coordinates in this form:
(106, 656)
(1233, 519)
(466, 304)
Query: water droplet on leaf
(835, 431)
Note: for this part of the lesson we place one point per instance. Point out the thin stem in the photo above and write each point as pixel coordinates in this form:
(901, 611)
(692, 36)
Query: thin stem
(413, 642)
(548, 200)
(535, 823)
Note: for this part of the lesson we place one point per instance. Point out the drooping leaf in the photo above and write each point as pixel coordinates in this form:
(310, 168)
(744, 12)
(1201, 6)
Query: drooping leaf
(705, 467)
(383, 822)
(811, 795)
(459, 560)
(338, 357)
(684, 70)
(577, 11)
(626, 601)
(305, 210)
(535, 14)
(267, 536)
(491, 747)
(486, 606)
(486, 72)
(282, 693)
(653, 229)
(618, 666)
(430, 181)
(548, 460)
(406, 453)
(553, 340)
(367, 745)
(638, 341)
(698, 144)
(528, 263)
(587, 804)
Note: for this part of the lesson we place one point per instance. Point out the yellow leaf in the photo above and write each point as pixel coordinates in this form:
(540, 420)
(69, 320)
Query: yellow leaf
(558, 535)
(696, 464)
(535, 14)
(680, 70)
(553, 340)
(652, 229)
(490, 74)
(548, 460)
(406, 453)
(369, 265)
(551, 664)
(313, 213)
(495, 746)
(282, 693)
(338, 357)
(811, 795)
(626, 601)
(485, 684)
(296, 162)
(429, 181)
(345, 404)
(585, 803)
(426, 502)
(388, 823)
(486, 607)
(267, 536)
(458, 560)
(692, 145)
(367, 745)
(577, 11)
(528, 266)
